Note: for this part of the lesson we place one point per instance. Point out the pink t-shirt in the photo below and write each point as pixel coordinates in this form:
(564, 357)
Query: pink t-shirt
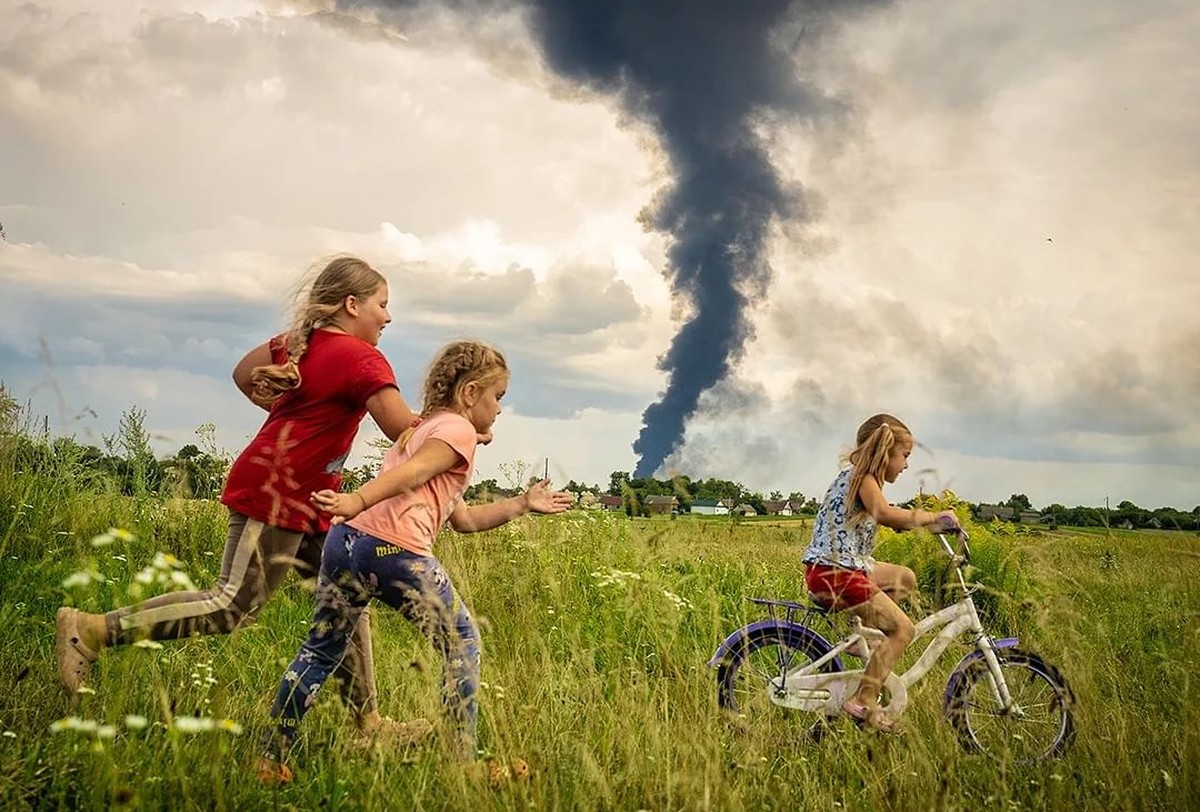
(412, 520)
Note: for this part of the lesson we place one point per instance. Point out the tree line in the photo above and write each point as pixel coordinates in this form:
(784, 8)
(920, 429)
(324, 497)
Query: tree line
(125, 463)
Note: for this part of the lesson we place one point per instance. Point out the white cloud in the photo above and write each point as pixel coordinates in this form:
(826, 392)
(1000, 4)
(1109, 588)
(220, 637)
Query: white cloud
(1004, 254)
(1002, 251)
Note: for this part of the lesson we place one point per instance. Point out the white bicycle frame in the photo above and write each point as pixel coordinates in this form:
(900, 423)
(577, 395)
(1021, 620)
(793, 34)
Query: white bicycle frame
(806, 688)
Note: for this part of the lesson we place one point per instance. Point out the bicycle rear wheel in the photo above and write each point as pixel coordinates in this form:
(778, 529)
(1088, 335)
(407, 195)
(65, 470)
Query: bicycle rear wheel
(1038, 726)
(751, 680)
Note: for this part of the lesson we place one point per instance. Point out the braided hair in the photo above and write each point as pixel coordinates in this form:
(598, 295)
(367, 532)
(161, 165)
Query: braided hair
(343, 276)
(873, 445)
(456, 365)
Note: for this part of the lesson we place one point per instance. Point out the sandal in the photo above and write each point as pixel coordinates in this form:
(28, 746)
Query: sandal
(391, 733)
(74, 658)
(874, 718)
(270, 771)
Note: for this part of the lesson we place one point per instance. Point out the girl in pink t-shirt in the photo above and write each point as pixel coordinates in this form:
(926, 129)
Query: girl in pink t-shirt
(383, 548)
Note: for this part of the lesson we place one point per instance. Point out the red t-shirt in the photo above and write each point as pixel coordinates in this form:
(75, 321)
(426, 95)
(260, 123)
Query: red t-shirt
(307, 437)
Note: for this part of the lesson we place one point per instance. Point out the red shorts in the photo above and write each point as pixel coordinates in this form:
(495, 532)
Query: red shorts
(836, 588)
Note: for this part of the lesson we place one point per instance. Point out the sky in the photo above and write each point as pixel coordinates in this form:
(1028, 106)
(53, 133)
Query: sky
(980, 217)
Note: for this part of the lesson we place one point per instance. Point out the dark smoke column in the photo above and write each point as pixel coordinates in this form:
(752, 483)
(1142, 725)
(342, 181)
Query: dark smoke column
(699, 71)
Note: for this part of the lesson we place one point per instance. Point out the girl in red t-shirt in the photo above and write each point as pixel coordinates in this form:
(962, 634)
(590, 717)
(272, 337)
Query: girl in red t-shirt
(316, 382)
(382, 549)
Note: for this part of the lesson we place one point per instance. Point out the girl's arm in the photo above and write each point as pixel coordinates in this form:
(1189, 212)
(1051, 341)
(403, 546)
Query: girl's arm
(260, 356)
(432, 458)
(475, 518)
(896, 518)
(390, 412)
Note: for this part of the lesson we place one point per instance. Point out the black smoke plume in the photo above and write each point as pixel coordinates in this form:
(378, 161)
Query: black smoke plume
(703, 74)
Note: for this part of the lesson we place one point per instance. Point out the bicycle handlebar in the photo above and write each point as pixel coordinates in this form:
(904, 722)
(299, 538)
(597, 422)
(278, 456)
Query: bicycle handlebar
(961, 536)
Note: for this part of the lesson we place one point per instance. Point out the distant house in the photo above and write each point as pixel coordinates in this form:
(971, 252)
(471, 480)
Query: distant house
(775, 507)
(660, 504)
(744, 510)
(986, 513)
(710, 507)
(610, 502)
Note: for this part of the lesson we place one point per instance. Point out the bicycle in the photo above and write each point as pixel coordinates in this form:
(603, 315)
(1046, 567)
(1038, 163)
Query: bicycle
(1000, 700)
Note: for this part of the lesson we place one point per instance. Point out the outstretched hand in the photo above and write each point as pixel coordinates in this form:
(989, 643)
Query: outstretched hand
(342, 505)
(542, 500)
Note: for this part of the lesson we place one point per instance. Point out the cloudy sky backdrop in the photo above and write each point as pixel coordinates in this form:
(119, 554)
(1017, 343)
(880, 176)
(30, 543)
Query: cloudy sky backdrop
(1003, 221)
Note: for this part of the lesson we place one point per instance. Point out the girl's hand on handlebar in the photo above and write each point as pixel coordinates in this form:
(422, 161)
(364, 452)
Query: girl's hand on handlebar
(947, 522)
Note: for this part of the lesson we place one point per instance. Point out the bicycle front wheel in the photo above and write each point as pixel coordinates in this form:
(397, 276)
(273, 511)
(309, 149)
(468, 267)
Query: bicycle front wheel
(1039, 724)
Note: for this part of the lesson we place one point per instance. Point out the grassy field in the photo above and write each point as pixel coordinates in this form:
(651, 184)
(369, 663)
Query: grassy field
(596, 631)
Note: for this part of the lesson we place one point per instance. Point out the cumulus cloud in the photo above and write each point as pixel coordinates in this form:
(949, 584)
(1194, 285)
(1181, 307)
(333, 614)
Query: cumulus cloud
(1000, 247)
(1004, 250)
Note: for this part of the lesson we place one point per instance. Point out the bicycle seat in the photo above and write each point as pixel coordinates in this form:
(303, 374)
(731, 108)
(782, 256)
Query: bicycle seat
(773, 602)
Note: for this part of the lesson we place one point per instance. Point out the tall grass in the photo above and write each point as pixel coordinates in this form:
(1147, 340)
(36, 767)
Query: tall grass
(596, 630)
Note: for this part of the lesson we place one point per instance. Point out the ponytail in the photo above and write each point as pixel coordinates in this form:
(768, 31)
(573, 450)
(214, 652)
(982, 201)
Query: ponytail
(342, 277)
(874, 442)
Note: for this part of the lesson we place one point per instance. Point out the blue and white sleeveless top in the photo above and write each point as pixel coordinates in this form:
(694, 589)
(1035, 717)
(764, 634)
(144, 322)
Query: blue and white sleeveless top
(834, 542)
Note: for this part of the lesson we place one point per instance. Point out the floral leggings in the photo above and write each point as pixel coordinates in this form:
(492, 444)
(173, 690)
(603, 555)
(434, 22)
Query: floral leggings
(356, 567)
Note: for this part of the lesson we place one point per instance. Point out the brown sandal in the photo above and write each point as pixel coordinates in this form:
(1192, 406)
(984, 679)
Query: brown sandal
(272, 772)
(391, 733)
(871, 717)
(74, 658)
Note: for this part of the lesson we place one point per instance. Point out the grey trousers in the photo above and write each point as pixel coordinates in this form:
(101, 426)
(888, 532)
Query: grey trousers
(256, 560)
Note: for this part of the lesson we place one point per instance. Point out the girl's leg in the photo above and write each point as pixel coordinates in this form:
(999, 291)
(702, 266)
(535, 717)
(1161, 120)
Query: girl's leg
(882, 613)
(256, 558)
(356, 671)
(420, 588)
(340, 601)
(897, 582)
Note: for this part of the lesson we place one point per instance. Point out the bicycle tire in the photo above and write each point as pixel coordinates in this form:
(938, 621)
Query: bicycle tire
(744, 679)
(1043, 726)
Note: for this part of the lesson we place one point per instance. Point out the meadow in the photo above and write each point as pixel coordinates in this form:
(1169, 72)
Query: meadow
(596, 630)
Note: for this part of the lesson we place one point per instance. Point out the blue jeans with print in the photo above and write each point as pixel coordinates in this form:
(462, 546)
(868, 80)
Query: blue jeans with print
(356, 567)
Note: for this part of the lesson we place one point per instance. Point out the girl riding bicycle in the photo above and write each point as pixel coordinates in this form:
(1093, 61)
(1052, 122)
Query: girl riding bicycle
(840, 572)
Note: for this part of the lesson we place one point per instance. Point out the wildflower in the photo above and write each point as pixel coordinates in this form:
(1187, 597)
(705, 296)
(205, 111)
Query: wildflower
(135, 722)
(83, 689)
(82, 578)
(680, 603)
(74, 723)
(106, 732)
(181, 579)
(147, 643)
(230, 726)
(193, 724)
(8, 734)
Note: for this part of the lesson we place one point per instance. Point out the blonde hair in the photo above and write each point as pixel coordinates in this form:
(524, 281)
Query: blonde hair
(873, 446)
(342, 276)
(456, 365)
